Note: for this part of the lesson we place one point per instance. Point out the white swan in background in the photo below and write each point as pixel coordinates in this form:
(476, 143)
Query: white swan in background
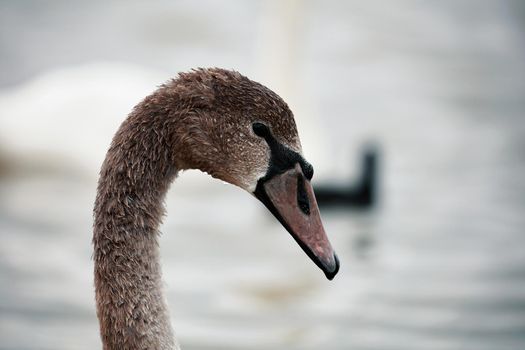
(67, 115)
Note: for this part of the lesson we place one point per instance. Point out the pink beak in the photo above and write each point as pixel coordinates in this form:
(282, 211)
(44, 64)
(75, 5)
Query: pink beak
(290, 197)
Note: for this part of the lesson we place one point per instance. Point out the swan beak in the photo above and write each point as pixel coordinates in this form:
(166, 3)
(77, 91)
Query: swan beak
(290, 198)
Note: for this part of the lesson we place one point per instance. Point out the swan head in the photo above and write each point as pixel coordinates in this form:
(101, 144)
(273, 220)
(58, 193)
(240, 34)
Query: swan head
(243, 133)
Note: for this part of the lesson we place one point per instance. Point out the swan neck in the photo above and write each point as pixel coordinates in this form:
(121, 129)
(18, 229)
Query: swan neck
(134, 179)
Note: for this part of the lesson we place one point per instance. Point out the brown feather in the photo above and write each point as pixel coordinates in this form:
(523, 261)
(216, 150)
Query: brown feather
(200, 120)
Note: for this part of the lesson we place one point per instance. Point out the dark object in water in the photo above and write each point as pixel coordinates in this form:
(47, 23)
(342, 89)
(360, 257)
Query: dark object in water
(361, 194)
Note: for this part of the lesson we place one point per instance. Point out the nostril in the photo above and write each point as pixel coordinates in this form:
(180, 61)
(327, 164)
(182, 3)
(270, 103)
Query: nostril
(302, 197)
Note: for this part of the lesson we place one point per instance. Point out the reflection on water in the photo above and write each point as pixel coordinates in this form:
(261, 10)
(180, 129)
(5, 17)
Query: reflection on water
(439, 264)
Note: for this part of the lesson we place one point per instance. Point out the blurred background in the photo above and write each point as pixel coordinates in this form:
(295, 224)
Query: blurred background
(439, 87)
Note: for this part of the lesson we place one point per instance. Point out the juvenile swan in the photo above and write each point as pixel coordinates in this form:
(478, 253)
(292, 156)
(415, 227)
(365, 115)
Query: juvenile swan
(214, 120)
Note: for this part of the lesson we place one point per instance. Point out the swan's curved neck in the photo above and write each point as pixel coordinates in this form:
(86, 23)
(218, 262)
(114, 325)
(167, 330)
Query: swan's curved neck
(128, 210)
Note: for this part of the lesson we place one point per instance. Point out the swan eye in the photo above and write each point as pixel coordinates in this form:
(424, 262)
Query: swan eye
(260, 129)
(302, 196)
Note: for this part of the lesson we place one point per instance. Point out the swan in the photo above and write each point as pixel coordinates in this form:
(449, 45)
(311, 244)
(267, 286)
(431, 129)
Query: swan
(224, 124)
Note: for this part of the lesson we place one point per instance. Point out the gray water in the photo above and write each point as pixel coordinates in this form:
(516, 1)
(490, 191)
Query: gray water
(439, 263)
